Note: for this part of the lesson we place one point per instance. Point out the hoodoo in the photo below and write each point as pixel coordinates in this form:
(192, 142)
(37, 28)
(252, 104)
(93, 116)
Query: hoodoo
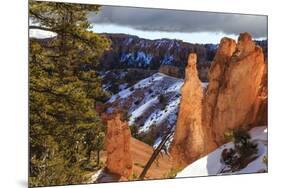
(232, 98)
(188, 143)
(236, 97)
(118, 137)
(216, 76)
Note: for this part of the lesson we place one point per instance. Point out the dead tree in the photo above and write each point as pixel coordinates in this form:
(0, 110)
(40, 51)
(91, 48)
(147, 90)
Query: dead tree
(155, 153)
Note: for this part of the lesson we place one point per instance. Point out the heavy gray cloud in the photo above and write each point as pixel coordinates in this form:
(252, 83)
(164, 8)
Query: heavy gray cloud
(181, 21)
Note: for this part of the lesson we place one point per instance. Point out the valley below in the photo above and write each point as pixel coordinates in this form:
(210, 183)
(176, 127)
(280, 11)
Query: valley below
(151, 105)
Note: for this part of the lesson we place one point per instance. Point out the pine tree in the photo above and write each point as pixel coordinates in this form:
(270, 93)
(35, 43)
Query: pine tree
(64, 127)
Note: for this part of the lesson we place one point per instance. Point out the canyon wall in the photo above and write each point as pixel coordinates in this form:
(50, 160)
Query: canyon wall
(170, 70)
(128, 51)
(132, 51)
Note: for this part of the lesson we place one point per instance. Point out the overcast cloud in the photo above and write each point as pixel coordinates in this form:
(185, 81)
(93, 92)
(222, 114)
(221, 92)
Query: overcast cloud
(181, 21)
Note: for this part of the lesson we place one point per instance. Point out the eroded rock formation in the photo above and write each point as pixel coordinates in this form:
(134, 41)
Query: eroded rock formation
(261, 102)
(236, 97)
(188, 143)
(234, 87)
(118, 137)
(216, 76)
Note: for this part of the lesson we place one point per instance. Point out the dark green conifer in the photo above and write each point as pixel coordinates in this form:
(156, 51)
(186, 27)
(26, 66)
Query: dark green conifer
(64, 127)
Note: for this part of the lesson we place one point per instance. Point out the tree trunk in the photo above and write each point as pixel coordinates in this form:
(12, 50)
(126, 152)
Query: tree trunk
(155, 154)
(98, 157)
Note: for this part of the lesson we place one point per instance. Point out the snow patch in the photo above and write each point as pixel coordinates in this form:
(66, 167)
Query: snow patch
(140, 110)
(211, 164)
(159, 116)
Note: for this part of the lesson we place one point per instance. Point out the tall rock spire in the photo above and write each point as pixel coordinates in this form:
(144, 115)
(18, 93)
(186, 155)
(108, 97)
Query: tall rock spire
(188, 143)
(216, 78)
(236, 97)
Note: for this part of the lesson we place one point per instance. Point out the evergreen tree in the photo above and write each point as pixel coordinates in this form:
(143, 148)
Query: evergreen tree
(244, 150)
(64, 127)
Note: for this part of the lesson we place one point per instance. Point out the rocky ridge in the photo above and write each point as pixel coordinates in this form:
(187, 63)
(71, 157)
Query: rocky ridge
(129, 51)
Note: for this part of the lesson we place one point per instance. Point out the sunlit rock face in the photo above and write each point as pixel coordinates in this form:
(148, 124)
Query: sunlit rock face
(234, 97)
(216, 75)
(261, 113)
(188, 143)
(118, 137)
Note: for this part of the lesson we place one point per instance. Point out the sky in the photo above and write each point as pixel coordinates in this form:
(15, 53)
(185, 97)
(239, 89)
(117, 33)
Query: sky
(189, 26)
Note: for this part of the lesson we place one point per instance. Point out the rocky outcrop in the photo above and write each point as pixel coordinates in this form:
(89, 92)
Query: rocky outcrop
(118, 138)
(234, 87)
(236, 97)
(188, 143)
(216, 77)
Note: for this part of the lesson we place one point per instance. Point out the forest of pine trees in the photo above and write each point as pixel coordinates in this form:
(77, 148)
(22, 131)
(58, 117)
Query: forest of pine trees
(65, 131)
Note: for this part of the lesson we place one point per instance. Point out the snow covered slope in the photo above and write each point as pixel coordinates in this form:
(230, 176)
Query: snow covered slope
(152, 104)
(145, 108)
(212, 164)
(130, 51)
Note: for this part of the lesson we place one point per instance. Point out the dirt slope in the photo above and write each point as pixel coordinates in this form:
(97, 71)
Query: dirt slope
(141, 153)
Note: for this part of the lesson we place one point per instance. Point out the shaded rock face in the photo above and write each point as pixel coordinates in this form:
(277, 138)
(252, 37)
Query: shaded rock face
(118, 137)
(132, 51)
(203, 72)
(234, 97)
(188, 143)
